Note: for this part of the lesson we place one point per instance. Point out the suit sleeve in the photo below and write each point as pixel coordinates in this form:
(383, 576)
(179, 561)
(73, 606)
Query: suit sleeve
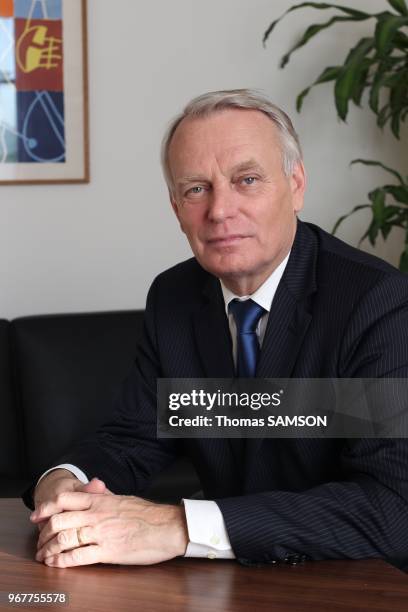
(125, 451)
(365, 513)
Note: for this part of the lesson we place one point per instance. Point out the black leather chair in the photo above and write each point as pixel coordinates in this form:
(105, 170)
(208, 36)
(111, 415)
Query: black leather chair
(58, 378)
(11, 455)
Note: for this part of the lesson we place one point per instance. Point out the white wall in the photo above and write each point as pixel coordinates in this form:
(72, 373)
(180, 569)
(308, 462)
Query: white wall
(98, 246)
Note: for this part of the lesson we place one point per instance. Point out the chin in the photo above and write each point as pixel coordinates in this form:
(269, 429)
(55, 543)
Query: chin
(226, 269)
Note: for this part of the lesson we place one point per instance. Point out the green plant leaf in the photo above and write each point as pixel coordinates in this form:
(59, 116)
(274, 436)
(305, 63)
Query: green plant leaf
(385, 230)
(372, 233)
(310, 32)
(329, 74)
(383, 116)
(361, 83)
(398, 76)
(398, 102)
(385, 30)
(392, 218)
(343, 217)
(380, 80)
(363, 237)
(370, 162)
(395, 125)
(401, 40)
(393, 213)
(402, 219)
(351, 75)
(399, 5)
(377, 196)
(358, 15)
(398, 192)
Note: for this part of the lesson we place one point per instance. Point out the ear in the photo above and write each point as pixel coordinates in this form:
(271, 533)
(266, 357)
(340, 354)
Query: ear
(298, 186)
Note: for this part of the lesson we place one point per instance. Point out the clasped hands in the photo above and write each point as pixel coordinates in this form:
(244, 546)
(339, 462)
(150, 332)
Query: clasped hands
(85, 524)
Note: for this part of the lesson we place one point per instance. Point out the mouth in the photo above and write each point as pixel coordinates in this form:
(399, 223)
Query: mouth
(223, 241)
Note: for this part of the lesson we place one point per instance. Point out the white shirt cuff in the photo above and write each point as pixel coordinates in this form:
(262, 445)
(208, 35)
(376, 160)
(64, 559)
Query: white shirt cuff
(206, 530)
(71, 468)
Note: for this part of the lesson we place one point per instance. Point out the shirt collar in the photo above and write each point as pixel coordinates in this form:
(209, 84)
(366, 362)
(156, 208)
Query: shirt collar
(264, 294)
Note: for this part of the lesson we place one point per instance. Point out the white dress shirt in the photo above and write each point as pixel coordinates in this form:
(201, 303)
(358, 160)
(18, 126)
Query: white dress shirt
(207, 532)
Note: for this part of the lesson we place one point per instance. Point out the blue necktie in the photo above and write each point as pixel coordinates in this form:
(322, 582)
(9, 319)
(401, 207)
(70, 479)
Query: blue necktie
(246, 315)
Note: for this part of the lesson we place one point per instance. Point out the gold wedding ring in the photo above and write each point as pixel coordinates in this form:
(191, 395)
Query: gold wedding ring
(80, 540)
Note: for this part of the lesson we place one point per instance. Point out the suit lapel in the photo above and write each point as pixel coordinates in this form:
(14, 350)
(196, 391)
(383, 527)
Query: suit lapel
(287, 325)
(212, 333)
(215, 349)
(289, 317)
(290, 314)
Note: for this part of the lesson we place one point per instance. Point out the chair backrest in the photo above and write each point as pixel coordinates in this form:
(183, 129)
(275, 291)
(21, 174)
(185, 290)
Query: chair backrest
(10, 446)
(68, 369)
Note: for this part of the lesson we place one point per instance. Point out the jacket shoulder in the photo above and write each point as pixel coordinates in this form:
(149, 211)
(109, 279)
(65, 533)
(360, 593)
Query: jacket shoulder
(345, 269)
(343, 255)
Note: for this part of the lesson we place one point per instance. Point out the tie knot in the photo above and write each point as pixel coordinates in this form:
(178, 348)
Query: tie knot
(246, 315)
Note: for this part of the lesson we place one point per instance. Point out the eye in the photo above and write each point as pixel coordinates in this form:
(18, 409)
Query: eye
(249, 180)
(197, 190)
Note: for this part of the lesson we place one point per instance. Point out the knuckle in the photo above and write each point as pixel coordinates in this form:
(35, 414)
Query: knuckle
(41, 507)
(87, 534)
(76, 555)
(61, 497)
(62, 537)
(55, 522)
(57, 561)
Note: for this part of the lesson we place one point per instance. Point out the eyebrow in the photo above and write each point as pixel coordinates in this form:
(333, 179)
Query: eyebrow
(194, 178)
(245, 166)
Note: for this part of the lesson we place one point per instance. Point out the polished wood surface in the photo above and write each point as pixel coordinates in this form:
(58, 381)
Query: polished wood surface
(195, 585)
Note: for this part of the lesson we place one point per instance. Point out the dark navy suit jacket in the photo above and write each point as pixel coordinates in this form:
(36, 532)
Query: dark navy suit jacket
(337, 312)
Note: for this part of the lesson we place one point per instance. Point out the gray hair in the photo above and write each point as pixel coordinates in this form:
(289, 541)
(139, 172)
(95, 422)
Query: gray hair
(214, 101)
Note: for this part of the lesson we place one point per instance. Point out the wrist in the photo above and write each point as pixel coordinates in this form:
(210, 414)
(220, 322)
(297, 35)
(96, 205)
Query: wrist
(180, 531)
(52, 476)
(56, 475)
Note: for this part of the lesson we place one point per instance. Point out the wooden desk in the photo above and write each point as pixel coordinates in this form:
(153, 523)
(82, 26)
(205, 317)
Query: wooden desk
(194, 585)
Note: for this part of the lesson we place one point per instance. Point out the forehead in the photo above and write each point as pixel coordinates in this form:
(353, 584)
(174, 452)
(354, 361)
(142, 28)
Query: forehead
(225, 137)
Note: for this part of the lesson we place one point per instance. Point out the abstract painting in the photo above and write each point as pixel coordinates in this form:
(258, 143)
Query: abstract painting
(43, 91)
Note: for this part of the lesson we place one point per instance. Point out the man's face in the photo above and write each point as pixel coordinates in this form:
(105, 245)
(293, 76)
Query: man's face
(231, 196)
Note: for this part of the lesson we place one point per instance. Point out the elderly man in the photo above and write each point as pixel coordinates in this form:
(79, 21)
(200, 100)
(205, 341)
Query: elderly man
(317, 308)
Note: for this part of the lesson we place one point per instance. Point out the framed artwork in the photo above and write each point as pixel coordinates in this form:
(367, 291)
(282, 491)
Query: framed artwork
(43, 92)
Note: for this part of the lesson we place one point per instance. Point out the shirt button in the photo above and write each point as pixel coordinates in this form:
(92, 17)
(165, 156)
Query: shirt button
(215, 540)
(211, 555)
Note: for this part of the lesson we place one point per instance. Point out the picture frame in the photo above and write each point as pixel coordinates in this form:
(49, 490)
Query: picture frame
(44, 131)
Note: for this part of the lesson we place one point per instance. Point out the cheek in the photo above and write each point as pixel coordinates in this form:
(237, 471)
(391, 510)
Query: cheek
(281, 206)
(191, 226)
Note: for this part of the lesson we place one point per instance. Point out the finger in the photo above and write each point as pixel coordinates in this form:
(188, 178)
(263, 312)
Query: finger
(62, 522)
(66, 540)
(94, 486)
(63, 502)
(98, 486)
(86, 555)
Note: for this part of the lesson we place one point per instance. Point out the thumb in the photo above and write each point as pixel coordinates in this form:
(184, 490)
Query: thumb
(93, 486)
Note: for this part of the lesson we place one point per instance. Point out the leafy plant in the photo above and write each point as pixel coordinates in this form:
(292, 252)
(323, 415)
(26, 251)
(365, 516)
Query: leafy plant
(378, 64)
(385, 216)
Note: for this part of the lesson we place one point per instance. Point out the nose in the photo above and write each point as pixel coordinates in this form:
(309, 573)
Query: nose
(222, 204)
